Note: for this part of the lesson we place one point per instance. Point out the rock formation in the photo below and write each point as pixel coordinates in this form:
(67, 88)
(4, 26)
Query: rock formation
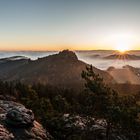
(18, 123)
(69, 127)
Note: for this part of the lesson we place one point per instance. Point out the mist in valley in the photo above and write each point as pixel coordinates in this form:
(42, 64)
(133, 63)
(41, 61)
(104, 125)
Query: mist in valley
(96, 58)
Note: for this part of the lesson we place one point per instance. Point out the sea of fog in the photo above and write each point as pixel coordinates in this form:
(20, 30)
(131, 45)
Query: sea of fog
(91, 57)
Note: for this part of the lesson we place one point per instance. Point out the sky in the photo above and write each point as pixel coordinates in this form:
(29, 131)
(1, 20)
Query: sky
(69, 24)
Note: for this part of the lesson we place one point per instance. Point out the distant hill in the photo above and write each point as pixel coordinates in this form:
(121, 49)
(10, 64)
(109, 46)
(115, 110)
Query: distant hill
(10, 65)
(3, 60)
(126, 89)
(127, 74)
(123, 57)
(63, 69)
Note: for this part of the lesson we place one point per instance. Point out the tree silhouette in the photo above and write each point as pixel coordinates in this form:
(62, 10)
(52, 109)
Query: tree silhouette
(121, 112)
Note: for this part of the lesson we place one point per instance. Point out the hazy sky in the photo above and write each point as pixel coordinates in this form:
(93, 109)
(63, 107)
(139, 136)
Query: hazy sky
(75, 24)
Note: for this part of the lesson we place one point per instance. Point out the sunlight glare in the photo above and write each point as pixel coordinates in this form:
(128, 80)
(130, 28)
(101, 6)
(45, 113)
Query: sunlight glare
(122, 47)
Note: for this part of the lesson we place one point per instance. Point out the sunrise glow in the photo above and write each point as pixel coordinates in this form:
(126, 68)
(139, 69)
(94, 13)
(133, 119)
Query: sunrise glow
(49, 25)
(122, 46)
(122, 49)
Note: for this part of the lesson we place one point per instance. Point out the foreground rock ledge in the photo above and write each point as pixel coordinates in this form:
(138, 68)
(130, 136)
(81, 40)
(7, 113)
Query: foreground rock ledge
(17, 123)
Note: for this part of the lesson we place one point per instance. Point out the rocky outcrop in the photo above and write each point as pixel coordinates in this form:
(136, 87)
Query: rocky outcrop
(17, 123)
(69, 127)
(66, 54)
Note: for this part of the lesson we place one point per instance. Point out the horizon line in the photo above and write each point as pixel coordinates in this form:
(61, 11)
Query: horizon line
(66, 49)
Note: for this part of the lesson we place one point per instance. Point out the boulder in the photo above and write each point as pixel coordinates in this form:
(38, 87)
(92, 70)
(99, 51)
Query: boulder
(18, 123)
(20, 117)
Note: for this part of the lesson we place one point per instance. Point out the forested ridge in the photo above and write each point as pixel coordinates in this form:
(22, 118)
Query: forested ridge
(53, 105)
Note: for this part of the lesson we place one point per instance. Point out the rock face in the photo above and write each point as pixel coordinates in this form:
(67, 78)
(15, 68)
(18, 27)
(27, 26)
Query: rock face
(71, 127)
(66, 54)
(20, 117)
(17, 123)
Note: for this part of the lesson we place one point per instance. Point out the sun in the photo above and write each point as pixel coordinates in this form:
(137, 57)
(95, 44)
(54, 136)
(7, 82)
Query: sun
(122, 48)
